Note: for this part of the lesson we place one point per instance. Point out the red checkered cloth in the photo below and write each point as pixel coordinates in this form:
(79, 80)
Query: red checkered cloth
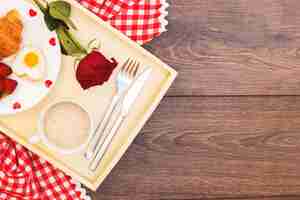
(24, 175)
(140, 20)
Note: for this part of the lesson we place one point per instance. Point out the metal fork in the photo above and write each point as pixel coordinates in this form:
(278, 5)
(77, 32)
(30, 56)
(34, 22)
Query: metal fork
(124, 79)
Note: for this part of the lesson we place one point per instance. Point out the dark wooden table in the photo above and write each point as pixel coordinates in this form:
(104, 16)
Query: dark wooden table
(229, 127)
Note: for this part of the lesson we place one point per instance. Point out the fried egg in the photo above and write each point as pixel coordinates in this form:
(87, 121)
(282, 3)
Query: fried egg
(30, 63)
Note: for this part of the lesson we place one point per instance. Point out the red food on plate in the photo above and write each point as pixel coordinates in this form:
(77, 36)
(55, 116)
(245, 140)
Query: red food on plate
(5, 70)
(17, 106)
(94, 69)
(1, 87)
(9, 86)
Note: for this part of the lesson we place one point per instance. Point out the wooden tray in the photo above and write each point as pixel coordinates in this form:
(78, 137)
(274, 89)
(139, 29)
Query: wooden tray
(22, 126)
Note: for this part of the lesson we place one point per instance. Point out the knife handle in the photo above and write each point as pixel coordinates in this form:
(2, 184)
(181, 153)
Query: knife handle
(102, 148)
(98, 135)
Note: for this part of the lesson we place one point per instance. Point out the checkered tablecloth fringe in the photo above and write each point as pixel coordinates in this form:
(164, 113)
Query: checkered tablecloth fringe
(80, 189)
(163, 16)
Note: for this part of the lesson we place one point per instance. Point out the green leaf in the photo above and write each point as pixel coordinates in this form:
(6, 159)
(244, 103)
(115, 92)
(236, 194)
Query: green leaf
(57, 17)
(51, 23)
(61, 10)
(70, 46)
(77, 43)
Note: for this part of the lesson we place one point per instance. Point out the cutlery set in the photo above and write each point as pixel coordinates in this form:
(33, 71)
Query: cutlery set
(129, 84)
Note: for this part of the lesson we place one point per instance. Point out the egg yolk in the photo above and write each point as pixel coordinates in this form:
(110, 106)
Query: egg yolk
(31, 59)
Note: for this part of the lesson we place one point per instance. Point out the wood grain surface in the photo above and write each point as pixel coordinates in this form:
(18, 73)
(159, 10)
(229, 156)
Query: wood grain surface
(229, 128)
(233, 47)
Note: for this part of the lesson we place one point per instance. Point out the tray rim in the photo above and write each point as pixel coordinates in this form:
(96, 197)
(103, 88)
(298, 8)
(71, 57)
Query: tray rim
(93, 185)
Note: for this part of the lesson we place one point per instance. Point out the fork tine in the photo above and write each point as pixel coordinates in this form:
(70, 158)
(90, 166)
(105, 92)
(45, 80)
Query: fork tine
(125, 64)
(132, 67)
(128, 67)
(136, 69)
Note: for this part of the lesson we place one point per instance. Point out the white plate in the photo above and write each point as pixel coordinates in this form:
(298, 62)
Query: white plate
(35, 34)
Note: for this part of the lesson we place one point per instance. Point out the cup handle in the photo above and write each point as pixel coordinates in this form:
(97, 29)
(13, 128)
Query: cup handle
(35, 138)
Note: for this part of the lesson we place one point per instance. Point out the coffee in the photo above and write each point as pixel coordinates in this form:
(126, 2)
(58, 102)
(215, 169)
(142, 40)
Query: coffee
(67, 125)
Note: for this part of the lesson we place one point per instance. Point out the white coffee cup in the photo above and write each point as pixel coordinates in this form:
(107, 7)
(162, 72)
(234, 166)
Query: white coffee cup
(41, 135)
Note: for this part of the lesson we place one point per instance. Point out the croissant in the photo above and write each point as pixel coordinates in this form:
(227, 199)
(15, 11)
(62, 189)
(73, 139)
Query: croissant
(11, 28)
